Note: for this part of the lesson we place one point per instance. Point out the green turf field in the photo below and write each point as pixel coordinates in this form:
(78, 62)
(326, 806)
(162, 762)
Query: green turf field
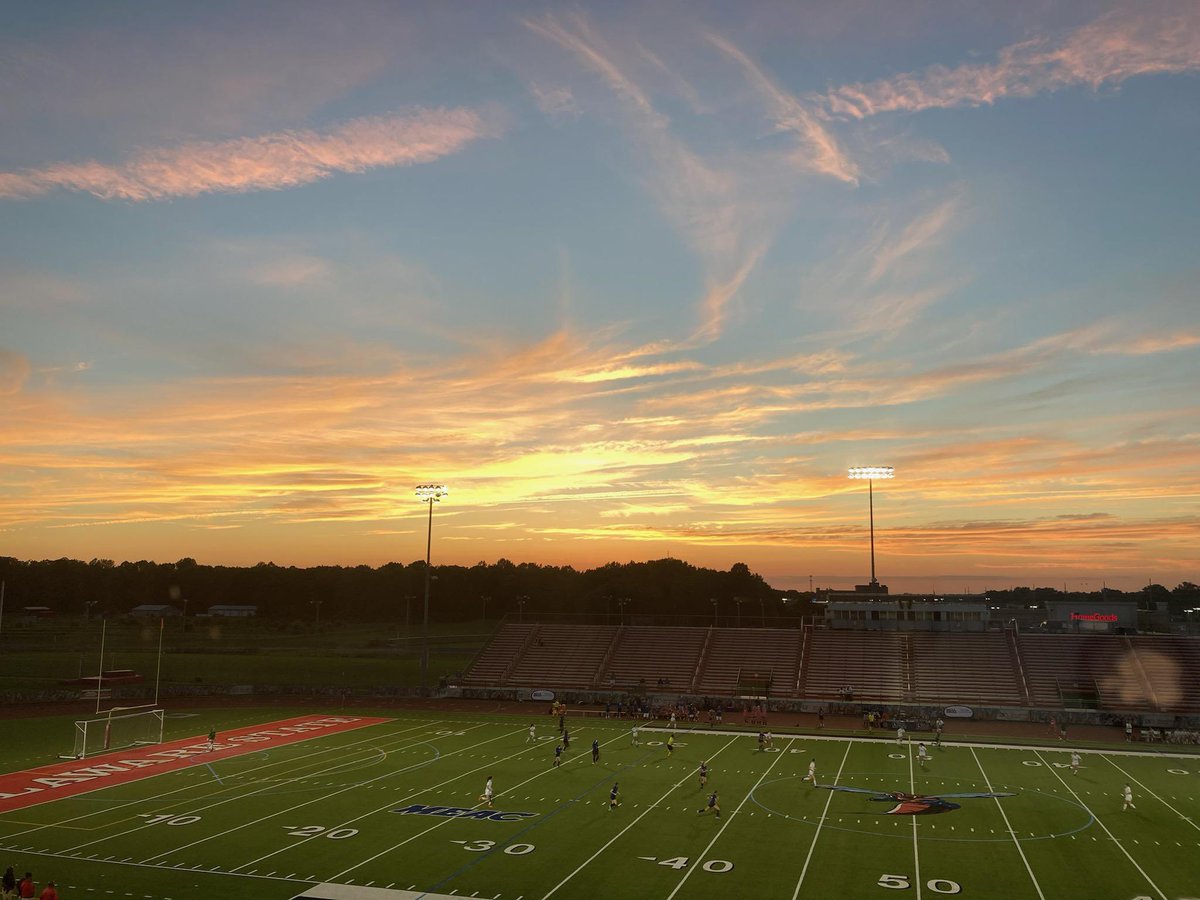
(276, 823)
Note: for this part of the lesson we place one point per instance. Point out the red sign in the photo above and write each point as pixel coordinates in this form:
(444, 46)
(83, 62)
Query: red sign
(1093, 617)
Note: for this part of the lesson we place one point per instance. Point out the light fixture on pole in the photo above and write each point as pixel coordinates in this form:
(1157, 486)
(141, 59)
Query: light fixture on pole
(431, 494)
(870, 473)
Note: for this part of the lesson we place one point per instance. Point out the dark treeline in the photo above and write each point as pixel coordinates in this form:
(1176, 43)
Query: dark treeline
(389, 593)
(395, 593)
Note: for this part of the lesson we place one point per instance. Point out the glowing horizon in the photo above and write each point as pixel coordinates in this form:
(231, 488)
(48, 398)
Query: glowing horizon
(634, 284)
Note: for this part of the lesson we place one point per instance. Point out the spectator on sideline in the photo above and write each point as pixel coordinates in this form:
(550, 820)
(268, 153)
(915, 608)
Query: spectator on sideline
(26, 888)
(9, 884)
(49, 892)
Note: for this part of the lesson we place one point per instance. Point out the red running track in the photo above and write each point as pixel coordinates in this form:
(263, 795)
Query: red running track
(19, 790)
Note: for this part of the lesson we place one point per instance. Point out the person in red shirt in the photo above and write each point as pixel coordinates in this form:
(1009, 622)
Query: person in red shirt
(26, 890)
(49, 892)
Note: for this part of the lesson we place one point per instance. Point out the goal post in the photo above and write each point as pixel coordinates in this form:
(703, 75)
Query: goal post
(117, 729)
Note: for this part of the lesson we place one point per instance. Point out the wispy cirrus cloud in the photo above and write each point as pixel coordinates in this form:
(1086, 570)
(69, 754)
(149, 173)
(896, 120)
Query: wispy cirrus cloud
(1117, 46)
(273, 161)
(819, 150)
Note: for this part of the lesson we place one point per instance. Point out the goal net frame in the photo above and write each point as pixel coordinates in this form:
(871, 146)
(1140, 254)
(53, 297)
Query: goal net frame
(117, 729)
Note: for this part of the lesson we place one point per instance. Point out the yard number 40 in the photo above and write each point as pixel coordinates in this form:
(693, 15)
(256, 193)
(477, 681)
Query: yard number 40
(937, 885)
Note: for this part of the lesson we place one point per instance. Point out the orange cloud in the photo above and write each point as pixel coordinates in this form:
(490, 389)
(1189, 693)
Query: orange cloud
(269, 162)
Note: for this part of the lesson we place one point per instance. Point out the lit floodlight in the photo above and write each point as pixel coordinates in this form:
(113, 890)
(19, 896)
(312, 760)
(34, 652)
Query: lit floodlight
(431, 493)
(872, 472)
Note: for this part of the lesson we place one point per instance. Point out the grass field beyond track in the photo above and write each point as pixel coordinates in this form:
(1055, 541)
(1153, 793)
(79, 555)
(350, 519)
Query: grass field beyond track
(396, 806)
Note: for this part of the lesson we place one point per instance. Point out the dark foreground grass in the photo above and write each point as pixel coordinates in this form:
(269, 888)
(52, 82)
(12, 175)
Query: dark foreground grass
(273, 824)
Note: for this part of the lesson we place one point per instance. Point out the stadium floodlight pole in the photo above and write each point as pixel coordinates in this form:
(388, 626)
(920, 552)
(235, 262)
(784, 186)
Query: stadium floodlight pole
(870, 473)
(431, 494)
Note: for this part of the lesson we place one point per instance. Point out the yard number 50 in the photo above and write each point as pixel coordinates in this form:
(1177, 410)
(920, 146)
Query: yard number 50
(937, 885)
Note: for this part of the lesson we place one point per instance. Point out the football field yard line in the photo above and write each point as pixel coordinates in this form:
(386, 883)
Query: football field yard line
(188, 787)
(213, 805)
(1151, 793)
(1008, 825)
(1111, 836)
(721, 830)
(649, 809)
(320, 799)
(369, 859)
(824, 814)
(912, 781)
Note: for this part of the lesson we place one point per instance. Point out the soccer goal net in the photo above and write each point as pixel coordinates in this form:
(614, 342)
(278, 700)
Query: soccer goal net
(117, 729)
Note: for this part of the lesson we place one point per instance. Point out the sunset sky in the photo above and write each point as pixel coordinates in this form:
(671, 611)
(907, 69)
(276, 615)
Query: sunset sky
(634, 280)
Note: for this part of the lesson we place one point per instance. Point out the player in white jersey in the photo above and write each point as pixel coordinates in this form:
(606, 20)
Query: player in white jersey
(922, 754)
(1127, 799)
(487, 794)
(532, 734)
(900, 734)
(1075, 762)
(812, 773)
(636, 741)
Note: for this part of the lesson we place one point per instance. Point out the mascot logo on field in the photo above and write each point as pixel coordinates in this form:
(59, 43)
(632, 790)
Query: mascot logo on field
(906, 804)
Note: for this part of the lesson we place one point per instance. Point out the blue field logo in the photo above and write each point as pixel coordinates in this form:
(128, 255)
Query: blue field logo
(459, 812)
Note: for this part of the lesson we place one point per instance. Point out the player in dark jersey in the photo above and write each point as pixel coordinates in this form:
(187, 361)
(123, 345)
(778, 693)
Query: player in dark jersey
(703, 774)
(595, 751)
(558, 749)
(567, 739)
(712, 804)
(614, 797)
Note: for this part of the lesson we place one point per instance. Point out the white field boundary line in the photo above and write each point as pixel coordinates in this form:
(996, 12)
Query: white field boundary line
(912, 781)
(821, 822)
(309, 802)
(63, 823)
(1146, 790)
(1008, 826)
(413, 837)
(233, 795)
(721, 830)
(690, 774)
(1111, 836)
(109, 861)
(978, 745)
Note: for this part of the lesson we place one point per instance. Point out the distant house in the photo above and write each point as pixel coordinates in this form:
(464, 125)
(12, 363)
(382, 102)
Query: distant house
(233, 612)
(150, 610)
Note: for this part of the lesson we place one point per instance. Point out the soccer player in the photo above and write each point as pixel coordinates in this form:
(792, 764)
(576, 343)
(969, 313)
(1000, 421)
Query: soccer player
(532, 739)
(567, 739)
(762, 741)
(486, 796)
(703, 774)
(671, 724)
(712, 804)
(670, 745)
(636, 741)
(812, 773)
(614, 797)
(558, 755)
(770, 741)
(922, 754)
(212, 739)
(899, 734)
(1074, 762)
(1127, 797)
(595, 751)
(937, 732)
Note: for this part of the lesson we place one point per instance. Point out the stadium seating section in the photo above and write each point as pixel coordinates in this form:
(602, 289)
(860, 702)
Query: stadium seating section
(1114, 672)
